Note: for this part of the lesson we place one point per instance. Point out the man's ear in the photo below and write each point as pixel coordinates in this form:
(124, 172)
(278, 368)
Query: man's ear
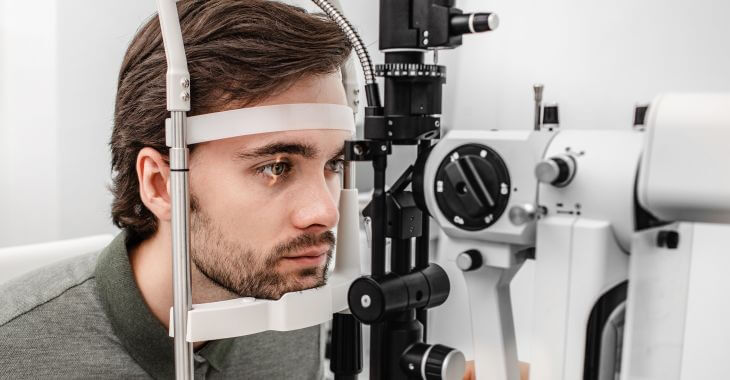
(153, 174)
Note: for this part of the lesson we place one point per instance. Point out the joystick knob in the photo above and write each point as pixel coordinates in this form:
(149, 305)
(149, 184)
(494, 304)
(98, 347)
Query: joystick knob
(557, 171)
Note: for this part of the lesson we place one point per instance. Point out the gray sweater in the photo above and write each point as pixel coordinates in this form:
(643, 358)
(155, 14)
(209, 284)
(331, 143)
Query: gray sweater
(85, 318)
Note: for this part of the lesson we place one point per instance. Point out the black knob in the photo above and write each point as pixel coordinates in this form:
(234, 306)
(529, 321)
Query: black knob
(667, 239)
(346, 347)
(371, 300)
(367, 299)
(473, 23)
(472, 187)
(433, 362)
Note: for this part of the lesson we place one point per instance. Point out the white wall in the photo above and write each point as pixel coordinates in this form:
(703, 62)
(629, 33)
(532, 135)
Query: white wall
(59, 62)
(92, 36)
(29, 200)
(596, 59)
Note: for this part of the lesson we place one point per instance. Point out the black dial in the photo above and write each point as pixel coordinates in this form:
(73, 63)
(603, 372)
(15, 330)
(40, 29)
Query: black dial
(472, 187)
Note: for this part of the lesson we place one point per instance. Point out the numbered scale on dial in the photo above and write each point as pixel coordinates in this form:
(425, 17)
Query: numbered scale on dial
(472, 187)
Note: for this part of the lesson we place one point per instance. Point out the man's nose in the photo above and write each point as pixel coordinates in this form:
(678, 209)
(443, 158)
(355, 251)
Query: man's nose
(315, 208)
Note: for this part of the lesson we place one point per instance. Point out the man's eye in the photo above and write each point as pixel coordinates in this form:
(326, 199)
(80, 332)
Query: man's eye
(276, 169)
(336, 165)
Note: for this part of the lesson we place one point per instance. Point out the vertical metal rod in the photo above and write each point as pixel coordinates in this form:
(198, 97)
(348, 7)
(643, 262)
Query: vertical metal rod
(182, 299)
(538, 88)
(402, 328)
(377, 261)
(379, 215)
(423, 243)
(400, 256)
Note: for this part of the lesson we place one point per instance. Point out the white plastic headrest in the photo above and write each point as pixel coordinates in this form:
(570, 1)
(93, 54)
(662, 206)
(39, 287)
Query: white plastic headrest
(265, 119)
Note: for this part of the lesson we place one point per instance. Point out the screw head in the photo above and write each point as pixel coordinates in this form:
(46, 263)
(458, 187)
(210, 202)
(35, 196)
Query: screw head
(185, 96)
(425, 41)
(185, 82)
(383, 148)
(365, 301)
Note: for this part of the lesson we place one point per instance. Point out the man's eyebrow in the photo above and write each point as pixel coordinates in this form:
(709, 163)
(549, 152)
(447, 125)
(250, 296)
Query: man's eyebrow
(304, 150)
(339, 153)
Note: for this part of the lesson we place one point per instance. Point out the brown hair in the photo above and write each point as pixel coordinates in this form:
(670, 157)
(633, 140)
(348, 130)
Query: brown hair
(240, 51)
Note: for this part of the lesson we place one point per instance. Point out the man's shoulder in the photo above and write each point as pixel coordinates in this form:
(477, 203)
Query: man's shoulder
(53, 325)
(66, 282)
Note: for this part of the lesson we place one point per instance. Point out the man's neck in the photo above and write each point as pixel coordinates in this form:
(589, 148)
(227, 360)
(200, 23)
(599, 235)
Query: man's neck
(151, 262)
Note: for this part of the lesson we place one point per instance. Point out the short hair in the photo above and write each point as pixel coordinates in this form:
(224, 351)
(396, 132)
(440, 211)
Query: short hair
(238, 51)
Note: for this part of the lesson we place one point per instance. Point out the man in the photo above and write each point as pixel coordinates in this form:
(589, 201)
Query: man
(262, 208)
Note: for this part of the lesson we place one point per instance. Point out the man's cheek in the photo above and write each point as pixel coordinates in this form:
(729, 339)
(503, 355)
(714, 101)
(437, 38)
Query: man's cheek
(335, 189)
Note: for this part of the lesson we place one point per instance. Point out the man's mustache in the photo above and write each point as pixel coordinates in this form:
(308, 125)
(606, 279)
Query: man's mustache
(302, 242)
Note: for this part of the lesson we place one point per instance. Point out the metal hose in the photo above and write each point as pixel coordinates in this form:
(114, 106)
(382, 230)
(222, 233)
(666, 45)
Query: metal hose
(353, 36)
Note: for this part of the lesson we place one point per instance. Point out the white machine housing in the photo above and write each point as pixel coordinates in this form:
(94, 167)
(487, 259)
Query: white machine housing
(684, 171)
(677, 310)
(519, 150)
(582, 248)
(502, 246)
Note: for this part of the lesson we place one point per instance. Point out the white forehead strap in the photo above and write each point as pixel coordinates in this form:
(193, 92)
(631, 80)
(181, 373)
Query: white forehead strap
(265, 119)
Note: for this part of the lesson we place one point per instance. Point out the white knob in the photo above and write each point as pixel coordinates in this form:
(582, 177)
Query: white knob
(557, 171)
(522, 214)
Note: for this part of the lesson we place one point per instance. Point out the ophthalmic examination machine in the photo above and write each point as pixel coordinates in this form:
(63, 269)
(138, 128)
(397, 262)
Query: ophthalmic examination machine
(617, 292)
(592, 208)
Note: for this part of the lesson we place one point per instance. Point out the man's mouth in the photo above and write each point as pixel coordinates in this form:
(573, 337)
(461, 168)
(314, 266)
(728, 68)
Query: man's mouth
(310, 257)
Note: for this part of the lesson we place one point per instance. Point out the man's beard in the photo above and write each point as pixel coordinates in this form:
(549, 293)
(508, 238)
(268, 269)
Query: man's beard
(248, 272)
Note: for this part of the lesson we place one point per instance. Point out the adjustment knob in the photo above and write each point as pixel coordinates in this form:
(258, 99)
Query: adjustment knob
(432, 362)
(469, 260)
(410, 70)
(444, 363)
(473, 23)
(472, 187)
(522, 214)
(557, 171)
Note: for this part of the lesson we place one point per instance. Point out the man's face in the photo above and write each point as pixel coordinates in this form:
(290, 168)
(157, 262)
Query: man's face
(263, 206)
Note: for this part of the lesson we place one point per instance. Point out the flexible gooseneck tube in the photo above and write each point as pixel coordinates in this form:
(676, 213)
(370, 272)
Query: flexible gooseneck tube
(371, 85)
